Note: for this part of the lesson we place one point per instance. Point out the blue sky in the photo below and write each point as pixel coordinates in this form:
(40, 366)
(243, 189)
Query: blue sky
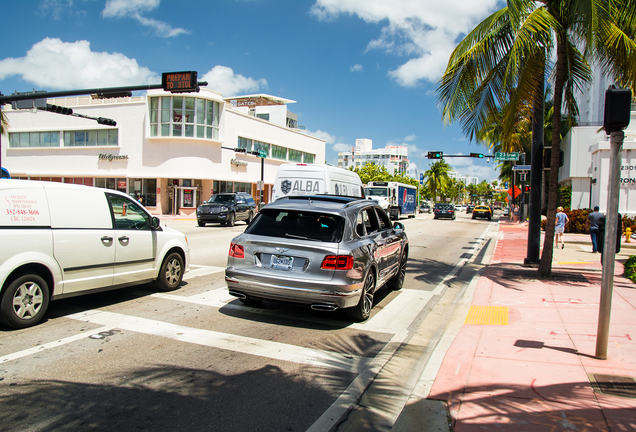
(357, 68)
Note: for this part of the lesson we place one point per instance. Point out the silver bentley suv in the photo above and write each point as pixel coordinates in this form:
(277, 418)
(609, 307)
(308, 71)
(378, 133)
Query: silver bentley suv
(325, 251)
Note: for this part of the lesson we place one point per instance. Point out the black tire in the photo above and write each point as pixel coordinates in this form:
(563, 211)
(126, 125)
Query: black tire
(230, 220)
(397, 281)
(24, 302)
(250, 216)
(201, 223)
(362, 311)
(171, 273)
(474, 217)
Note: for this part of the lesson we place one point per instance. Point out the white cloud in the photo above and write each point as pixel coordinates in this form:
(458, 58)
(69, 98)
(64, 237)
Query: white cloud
(329, 139)
(54, 64)
(425, 31)
(342, 147)
(411, 137)
(356, 68)
(223, 80)
(134, 9)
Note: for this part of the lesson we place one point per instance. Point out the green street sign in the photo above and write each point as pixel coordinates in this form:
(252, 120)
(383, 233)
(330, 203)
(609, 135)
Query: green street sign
(507, 156)
(262, 153)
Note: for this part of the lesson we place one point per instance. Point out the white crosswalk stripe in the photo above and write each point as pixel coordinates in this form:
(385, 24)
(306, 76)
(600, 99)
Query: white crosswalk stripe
(242, 344)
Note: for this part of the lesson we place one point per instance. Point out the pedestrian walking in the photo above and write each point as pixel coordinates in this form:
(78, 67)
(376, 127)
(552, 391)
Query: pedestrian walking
(593, 225)
(561, 221)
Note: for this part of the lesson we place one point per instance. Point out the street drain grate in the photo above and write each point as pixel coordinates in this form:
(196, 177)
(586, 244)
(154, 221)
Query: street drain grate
(531, 275)
(614, 385)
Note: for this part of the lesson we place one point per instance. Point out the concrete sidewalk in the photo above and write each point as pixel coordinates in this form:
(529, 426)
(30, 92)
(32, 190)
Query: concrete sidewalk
(524, 360)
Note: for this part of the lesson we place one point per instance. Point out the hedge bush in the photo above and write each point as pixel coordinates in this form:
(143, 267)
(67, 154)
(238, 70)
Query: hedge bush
(578, 220)
(630, 268)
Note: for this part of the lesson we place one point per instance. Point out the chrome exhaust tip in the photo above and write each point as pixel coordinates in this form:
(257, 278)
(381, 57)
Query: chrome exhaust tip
(324, 307)
(238, 294)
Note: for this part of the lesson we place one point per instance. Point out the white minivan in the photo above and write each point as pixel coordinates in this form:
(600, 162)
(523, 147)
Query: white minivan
(61, 240)
(314, 179)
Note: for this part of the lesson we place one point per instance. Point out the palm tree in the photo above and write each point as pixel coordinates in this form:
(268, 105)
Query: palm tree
(437, 177)
(501, 66)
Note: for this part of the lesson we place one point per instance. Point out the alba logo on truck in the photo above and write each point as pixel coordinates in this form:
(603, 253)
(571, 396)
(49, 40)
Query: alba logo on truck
(309, 186)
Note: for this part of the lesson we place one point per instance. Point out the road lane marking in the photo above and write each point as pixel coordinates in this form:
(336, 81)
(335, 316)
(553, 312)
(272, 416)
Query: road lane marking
(202, 271)
(57, 343)
(398, 314)
(226, 341)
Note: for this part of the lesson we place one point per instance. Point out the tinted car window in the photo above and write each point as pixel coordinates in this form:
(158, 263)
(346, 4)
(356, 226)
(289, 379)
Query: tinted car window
(370, 220)
(127, 214)
(221, 198)
(295, 224)
(383, 219)
(445, 206)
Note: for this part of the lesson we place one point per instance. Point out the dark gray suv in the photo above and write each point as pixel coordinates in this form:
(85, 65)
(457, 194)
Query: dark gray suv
(227, 208)
(325, 251)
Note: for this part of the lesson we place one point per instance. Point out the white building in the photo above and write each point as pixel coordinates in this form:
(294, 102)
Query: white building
(174, 150)
(393, 158)
(586, 164)
(467, 180)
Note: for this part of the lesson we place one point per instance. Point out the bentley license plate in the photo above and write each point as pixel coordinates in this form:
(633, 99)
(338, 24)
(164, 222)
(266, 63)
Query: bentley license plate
(282, 262)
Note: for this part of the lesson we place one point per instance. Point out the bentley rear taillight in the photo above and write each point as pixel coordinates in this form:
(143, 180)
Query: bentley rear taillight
(236, 251)
(337, 262)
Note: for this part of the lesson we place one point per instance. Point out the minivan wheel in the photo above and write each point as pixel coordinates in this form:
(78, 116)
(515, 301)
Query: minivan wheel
(397, 281)
(362, 310)
(201, 223)
(250, 216)
(25, 301)
(171, 273)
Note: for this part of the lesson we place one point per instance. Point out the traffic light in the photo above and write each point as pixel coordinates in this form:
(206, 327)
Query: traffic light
(477, 155)
(58, 109)
(526, 188)
(435, 155)
(106, 121)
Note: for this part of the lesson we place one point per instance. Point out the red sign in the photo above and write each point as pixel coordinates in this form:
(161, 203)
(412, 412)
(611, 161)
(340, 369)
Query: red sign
(121, 184)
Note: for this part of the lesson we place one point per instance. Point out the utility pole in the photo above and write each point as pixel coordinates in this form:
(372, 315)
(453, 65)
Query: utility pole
(616, 119)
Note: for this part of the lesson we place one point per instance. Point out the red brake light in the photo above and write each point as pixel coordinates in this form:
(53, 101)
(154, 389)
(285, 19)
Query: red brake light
(236, 251)
(337, 262)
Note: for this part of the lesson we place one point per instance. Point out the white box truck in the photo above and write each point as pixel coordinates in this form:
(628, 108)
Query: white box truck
(315, 179)
(395, 198)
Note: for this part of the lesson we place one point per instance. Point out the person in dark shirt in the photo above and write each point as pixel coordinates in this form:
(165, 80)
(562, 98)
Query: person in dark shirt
(592, 224)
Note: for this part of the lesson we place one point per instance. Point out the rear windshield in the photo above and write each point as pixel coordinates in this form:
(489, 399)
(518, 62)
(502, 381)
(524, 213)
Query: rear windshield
(445, 206)
(297, 225)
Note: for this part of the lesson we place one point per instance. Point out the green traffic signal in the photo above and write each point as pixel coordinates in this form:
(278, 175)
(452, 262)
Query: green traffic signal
(477, 155)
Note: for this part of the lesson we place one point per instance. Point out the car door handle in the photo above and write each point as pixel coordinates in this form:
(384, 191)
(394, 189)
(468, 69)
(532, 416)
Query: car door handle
(107, 239)
(123, 239)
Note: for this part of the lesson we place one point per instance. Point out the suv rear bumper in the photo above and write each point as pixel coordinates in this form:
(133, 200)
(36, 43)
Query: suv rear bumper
(309, 293)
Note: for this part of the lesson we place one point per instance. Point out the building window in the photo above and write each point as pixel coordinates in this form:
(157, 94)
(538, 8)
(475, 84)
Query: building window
(310, 158)
(242, 187)
(143, 190)
(264, 116)
(184, 116)
(279, 152)
(34, 139)
(222, 186)
(245, 143)
(91, 138)
(111, 183)
(261, 146)
(295, 155)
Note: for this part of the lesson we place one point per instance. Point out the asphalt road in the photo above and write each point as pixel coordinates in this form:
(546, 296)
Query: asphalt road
(197, 359)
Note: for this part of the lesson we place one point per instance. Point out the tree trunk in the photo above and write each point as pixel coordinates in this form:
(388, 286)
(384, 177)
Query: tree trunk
(545, 266)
